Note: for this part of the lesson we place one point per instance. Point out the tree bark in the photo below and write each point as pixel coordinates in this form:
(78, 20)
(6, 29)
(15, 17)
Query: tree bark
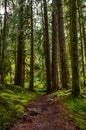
(4, 43)
(32, 53)
(20, 54)
(74, 49)
(63, 55)
(81, 42)
(47, 50)
(0, 44)
(54, 47)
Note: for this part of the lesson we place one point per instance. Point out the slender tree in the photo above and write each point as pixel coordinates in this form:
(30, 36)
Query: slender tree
(84, 37)
(47, 49)
(54, 47)
(62, 46)
(0, 43)
(74, 48)
(4, 43)
(32, 52)
(20, 54)
(81, 41)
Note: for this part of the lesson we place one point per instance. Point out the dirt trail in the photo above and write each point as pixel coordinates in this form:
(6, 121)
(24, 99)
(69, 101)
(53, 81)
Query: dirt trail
(45, 113)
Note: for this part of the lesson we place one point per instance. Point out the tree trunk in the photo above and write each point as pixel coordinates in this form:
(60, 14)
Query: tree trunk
(0, 44)
(19, 67)
(74, 49)
(4, 43)
(43, 55)
(47, 50)
(84, 38)
(54, 48)
(63, 55)
(81, 42)
(32, 53)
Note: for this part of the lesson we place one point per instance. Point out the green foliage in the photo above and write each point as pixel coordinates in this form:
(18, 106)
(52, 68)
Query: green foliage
(77, 108)
(62, 93)
(13, 100)
(39, 85)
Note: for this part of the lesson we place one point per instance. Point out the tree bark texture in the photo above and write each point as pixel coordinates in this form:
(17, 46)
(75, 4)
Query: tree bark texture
(54, 47)
(74, 48)
(20, 53)
(47, 50)
(62, 46)
(4, 44)
(32, 52)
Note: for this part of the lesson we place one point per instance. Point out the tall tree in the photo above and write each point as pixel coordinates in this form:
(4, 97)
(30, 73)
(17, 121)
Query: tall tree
(32, 52)
(54, 47)
(74, 48)
(63, 55)
(81, 40)
(0, 43)
(47, 49)
(20, 53)
(4, 42)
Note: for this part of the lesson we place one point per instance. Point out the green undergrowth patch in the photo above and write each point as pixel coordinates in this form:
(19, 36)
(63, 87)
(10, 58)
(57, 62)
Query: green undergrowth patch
(77, 109)
(39, 86)
(61, 93)
(13, 100)
(75, 106)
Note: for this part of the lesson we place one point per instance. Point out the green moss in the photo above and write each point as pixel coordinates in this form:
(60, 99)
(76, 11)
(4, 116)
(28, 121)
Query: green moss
(75, 106)
(77, 109)
(61, 93)
(13, 100)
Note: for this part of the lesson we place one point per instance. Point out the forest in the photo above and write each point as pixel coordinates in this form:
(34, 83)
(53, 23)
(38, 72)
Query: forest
(42, 64)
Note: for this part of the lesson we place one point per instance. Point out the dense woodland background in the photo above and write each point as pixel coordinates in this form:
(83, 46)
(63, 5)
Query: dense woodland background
(43, 43)
(42, 48)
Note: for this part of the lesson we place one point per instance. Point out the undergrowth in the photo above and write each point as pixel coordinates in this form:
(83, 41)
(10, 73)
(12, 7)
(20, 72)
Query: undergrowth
(75, 106)
(13, 100)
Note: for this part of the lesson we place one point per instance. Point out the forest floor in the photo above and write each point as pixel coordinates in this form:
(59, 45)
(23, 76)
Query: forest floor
(45, 113)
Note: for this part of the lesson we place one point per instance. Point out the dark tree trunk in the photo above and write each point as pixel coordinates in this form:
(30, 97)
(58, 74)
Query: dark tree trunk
(4, 44)
(74, 49)
(81, 42)
(47, 50)
(84, 38)
(32, 52)
(0, 44)
(19, 67)
(63, 55)
(54, 47)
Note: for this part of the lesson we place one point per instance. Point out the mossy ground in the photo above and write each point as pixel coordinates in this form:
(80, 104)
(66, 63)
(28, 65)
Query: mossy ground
(75, 106)
(13, 100)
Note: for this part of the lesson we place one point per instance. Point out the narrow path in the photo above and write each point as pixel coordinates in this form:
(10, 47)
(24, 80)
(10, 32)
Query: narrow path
(45, 113)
